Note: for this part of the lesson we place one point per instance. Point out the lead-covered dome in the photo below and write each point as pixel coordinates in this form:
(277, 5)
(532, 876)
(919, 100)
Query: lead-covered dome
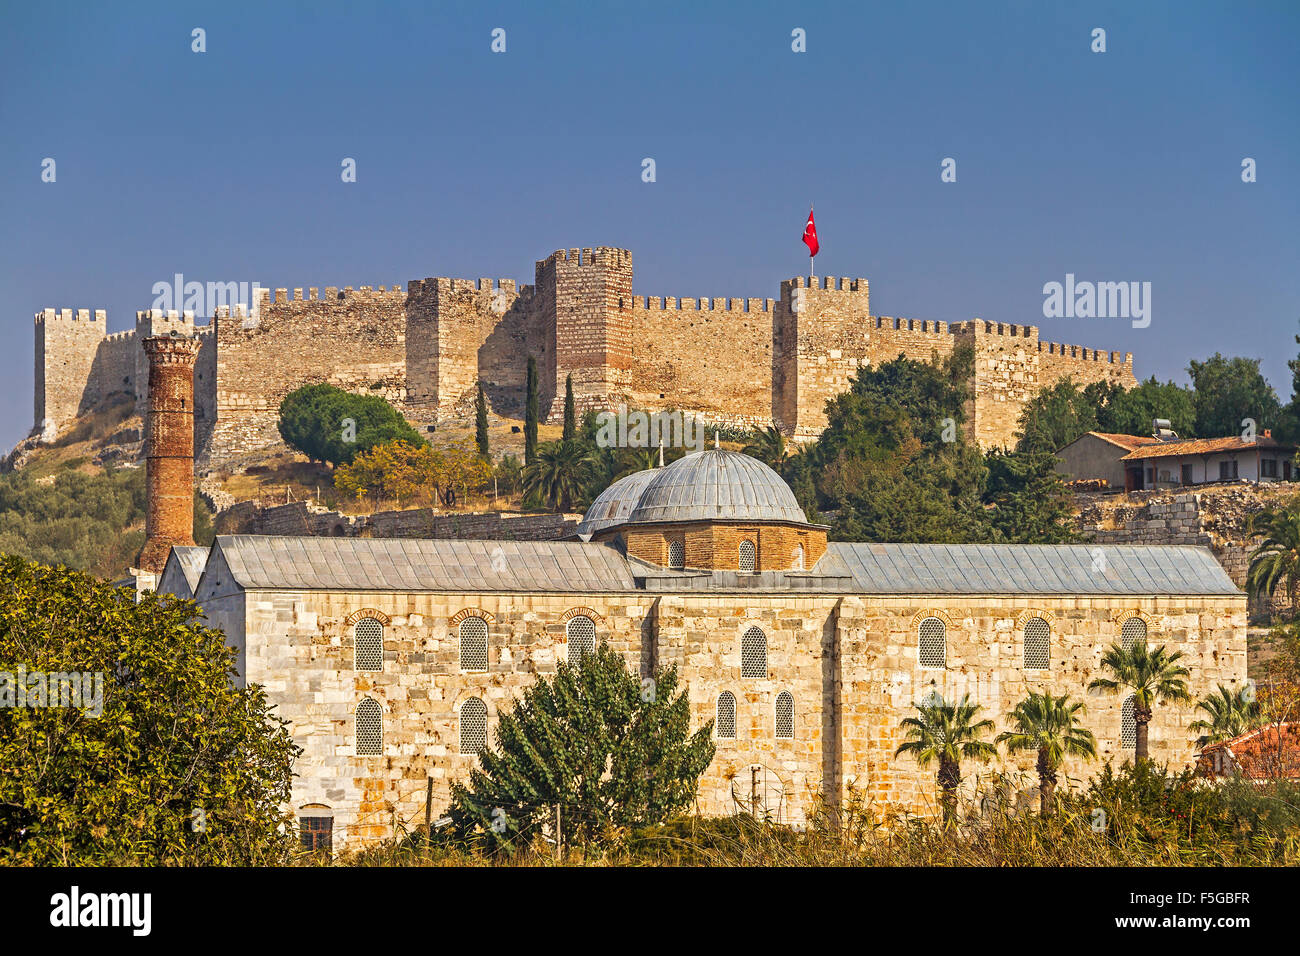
(613, 505)
(715, 485)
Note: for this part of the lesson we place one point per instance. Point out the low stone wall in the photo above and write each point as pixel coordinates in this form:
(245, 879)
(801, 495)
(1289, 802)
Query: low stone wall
(307, 518)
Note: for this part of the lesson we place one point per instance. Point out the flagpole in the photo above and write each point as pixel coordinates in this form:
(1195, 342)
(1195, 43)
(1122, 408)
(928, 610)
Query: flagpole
(812, 259)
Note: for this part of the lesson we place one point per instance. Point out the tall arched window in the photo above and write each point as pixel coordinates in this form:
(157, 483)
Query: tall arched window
(1134, 630)
(784, 715)
(368, 644)
(748, 556)
(932, 647)
(473, 644)
(1128, 728)
(725, 726)
(1038, 644)
(581, 635)
(796, 559)
(676, 553)
(753, 654)
(370, 727)
(473, 726)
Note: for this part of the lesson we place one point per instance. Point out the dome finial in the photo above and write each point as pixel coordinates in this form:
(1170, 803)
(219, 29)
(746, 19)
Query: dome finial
(717, 445)
(661, 452)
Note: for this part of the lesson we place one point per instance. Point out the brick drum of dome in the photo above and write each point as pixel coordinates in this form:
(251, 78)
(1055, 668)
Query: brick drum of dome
(169, 478)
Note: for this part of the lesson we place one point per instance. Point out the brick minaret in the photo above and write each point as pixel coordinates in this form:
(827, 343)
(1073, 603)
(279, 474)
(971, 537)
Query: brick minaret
(169, 438)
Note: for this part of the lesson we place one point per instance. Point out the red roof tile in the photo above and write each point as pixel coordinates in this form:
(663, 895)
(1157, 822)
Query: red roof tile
(1200, 446)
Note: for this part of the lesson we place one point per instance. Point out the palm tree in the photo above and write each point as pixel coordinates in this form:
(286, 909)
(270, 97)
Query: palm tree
(1047, 724)
(1152, 676)
(558, 473)
(768, 446)
(945, 732)
(1277, 558)
(1231, 715)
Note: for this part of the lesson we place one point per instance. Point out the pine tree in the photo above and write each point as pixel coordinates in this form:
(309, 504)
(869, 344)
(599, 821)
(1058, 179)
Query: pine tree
(530, 415)
(570, 417)
(604, 746)
(481, 425)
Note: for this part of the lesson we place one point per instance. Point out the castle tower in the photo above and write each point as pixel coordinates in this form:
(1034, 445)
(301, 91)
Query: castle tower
(67, 342)
(587, 300)
(169, 476)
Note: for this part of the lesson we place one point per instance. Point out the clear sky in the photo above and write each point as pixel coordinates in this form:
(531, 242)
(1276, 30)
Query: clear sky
(225, 165)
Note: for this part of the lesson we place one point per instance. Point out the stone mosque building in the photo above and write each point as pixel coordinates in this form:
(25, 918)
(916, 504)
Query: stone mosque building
(393, 659)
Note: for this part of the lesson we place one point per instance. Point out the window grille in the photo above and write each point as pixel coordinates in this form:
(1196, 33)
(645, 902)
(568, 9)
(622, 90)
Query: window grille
(932, 650)
(368, 644)
(316, 833)
(676, 553)
(1128, 733)
(1038, 644)
(581, 634)
(753, 654)
(473, 726)
(473, 644)
(784, 716)
(725, 728)
(1134, 630)
(748, 556)
(370, 728)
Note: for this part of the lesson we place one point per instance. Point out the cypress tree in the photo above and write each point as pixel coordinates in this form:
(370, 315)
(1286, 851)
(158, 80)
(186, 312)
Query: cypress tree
(570, 417)
(530, 416)
(481, 424)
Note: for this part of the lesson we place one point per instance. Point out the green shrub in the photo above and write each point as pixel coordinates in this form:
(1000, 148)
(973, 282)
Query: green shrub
(313, 421)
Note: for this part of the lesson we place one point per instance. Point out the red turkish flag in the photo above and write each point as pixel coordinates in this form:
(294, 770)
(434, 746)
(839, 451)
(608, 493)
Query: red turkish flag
(810, 235)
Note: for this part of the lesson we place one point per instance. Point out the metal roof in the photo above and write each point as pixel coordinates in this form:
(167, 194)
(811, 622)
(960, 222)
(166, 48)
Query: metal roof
(717, 485)
(1031, 569)
(419, 564)
(191, 559)
(613, 505)
(274, 562)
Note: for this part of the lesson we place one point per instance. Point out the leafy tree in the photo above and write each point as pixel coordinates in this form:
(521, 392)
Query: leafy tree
(314, 421)
(176, 742)
(1048, 726)
(610, 750)
(1030, 502)
(768, 446)
(531, 414)
(1054, 417)
(481, 424)
(1230, 714)
(558, 473)
(947, 733)
(1229, 390)
(1151, 676)
(570, 416)
(1131, 412)
(1277, 559)
(509, 474)
(398, 470)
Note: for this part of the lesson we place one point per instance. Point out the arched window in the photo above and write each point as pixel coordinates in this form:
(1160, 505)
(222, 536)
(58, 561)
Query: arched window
(676, 553)
(370, 727)
(473, 644)
(784, 715)
(1134, 630)
(316, 828)
(932, 648)
(748, 556)
(796, 559)
(1038, 644)
(1128, 728)
(753, 654)
(725, 727)
(932, 698)
(581, 635)
(368, 644)
(473, 726)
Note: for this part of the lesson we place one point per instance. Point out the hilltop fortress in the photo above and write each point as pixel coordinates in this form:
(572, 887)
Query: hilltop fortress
(747, 362)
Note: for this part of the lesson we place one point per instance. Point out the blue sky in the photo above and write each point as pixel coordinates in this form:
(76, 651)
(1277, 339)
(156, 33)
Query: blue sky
(225, 165)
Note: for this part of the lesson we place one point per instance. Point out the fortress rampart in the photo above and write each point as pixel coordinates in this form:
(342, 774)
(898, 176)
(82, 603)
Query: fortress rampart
(425, 348)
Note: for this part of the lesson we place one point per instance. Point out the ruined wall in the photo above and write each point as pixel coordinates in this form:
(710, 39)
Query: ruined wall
(354, 339)
(305, 518)
(713, 356)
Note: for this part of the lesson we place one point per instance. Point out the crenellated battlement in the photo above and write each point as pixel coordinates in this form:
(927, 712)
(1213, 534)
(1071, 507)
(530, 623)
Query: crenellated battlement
(428, 344)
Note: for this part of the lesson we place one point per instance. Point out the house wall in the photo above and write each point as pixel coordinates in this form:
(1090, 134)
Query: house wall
(1091, 457)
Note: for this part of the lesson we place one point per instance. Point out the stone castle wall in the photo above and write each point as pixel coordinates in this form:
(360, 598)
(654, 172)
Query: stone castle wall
(749, 362)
